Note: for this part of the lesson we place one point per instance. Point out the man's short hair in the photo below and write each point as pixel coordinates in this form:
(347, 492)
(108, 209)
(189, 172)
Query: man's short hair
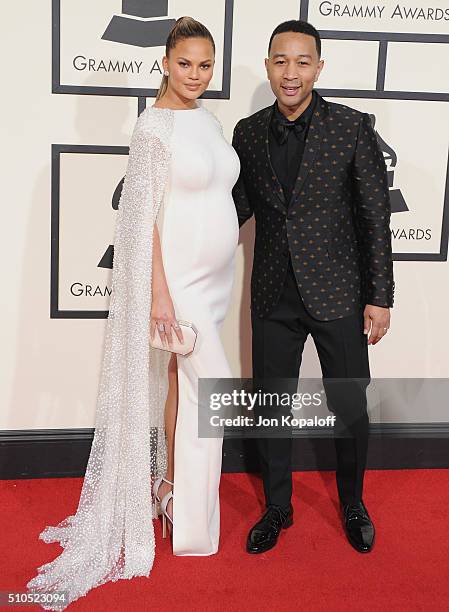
(301, 27)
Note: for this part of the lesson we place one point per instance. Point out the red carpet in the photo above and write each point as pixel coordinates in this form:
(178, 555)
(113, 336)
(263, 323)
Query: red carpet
(312, 568)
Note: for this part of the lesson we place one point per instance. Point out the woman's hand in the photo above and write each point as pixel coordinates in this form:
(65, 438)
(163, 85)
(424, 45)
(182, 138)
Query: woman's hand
(163, 318)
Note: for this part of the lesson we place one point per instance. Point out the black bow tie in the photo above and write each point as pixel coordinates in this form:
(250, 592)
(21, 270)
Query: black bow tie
(282, 129)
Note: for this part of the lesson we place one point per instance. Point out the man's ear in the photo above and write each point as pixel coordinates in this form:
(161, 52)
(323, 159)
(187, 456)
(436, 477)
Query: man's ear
(320, 68)
(266, 65)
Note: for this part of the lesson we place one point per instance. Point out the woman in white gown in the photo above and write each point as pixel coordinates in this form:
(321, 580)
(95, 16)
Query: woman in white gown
(174, 250)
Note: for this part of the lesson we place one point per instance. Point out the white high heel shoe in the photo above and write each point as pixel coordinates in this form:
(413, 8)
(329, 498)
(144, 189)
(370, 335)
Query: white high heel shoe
(161, 504)
(165, 515)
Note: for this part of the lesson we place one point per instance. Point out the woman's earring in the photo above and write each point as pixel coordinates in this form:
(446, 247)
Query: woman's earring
(166, 73)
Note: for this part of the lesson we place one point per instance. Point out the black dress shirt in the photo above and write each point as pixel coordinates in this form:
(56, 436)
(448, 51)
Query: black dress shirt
(286, 152)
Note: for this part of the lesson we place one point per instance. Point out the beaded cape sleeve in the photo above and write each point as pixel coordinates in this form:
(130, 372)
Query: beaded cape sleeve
(111, 535)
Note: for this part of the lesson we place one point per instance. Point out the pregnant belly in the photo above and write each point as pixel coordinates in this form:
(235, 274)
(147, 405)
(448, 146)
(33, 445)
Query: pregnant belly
(199, 238)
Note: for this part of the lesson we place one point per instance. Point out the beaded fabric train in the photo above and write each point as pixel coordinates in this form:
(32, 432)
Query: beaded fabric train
(111, 536)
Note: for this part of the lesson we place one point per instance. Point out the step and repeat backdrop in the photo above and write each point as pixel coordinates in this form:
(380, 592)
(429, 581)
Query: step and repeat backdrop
(76, 76)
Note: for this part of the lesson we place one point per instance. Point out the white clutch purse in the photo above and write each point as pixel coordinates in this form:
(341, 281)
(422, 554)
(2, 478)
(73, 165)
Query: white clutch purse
(189, 334)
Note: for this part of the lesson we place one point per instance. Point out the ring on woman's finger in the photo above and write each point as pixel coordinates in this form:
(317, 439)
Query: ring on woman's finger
(161, 327)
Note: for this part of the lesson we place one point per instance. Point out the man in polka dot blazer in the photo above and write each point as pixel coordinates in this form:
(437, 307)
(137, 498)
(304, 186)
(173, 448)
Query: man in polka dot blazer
(315, 179)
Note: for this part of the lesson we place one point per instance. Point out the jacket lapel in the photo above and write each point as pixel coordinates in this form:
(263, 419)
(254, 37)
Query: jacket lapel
(312, 145)
(274, 178)
(268, 170)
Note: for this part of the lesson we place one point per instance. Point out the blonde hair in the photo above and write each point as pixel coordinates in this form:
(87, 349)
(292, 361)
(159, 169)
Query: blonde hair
(185, 27)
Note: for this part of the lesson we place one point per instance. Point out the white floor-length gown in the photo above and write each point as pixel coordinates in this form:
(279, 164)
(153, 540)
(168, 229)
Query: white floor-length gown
(199, 238)
(180, 174)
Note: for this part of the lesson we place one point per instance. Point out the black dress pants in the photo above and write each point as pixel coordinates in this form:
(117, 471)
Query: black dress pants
(277, 346)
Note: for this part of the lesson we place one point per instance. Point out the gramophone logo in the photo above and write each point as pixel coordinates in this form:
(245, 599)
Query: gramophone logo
(391, 159)
(108, 256)
(417, 224)
(115, 48)
(143, 23)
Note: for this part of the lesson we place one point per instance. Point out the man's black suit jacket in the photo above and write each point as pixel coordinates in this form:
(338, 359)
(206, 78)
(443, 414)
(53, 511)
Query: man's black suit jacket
(336, 227)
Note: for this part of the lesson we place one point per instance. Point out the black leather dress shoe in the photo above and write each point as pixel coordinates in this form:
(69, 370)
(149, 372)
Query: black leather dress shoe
(358, 526)
(265, 533)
